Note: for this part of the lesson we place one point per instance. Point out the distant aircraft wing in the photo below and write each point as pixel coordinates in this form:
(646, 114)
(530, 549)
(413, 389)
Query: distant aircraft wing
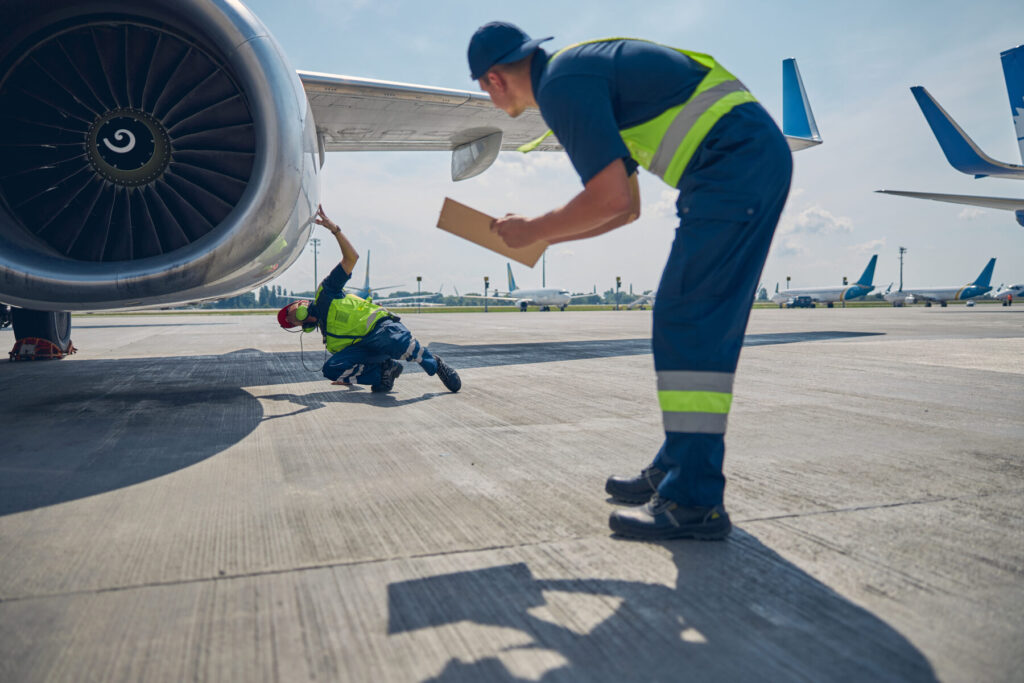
(1006, 203)
(798, 123)
(960, 150)
(361, 114)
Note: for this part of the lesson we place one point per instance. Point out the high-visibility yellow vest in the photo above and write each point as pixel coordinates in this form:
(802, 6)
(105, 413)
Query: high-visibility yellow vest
(349, 319)
(665, 144)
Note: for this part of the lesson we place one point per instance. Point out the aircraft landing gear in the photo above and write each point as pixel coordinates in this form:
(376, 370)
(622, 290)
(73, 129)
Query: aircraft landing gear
(51, 326)
(943, 304)
(545, 308)
(562, 307)
(829, 304)
(522, 307)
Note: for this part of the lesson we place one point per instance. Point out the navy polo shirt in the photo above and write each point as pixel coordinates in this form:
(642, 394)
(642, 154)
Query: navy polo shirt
(591, 92)
(333, 288)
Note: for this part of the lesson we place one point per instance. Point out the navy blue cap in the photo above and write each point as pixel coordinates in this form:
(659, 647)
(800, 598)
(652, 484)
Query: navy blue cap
(498, 42)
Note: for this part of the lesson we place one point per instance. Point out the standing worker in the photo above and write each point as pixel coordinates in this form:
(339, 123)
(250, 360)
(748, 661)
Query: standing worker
(617, 104)
(367, 340)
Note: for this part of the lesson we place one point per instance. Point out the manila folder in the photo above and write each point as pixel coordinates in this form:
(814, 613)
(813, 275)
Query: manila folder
(475, 226)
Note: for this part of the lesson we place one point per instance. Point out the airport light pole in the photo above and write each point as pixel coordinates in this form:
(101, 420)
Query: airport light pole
(487, 281)
(316, 248)
(787, 282)
(419, 278)
(618, 284)
(903, 250)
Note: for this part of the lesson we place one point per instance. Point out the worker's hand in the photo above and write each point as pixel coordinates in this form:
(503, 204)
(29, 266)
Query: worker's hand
(322, 219)
(515, 230)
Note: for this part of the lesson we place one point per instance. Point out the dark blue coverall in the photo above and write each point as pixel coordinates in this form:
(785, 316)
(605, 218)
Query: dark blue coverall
(730, 197)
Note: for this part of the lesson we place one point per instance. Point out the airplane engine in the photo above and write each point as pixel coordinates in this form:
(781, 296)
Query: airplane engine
(150, 153)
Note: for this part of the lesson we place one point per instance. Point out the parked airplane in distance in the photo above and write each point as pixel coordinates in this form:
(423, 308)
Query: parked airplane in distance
(545, 297)
(971, 290)
(962, 152)
(830, 295)
(1004, 293)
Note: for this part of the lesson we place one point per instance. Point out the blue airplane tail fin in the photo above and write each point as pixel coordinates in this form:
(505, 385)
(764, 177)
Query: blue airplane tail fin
(985, 279)
(798, 123)
(1013, 72)
(511, 280)
(869, 272)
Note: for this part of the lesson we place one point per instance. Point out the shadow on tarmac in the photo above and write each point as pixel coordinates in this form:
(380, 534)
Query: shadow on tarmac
(738, 612)
(486, 355)
(79, 428)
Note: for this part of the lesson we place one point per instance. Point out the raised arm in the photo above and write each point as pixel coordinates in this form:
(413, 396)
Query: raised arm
(349, 255)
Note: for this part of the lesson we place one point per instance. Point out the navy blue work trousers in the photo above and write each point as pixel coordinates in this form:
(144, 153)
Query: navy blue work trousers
(362, 362)
(729, 203)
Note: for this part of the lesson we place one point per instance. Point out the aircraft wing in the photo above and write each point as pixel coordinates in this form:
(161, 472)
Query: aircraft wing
(365, 115)
(402, 299)
(960, 150)
(1005, 203)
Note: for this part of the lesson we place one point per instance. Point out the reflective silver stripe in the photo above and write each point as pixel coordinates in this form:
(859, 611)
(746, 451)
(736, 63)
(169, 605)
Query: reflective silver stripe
(374, 316)
(695, 423)
(684, 121)
(419, 354)
(408, 351)
(353, 371)
(691, 380)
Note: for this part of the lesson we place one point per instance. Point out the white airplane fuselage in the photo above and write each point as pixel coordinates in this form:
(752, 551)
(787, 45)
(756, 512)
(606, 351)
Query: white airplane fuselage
(824, 294)
(548, 296)
(962, 293)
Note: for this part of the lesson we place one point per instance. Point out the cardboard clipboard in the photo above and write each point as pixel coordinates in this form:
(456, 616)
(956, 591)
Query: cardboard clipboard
(475, 226)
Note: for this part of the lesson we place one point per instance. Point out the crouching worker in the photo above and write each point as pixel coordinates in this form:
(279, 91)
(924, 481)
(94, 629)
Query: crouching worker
(366, 340)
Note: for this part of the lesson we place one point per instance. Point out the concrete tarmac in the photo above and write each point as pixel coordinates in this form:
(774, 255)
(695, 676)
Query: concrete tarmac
(184, 500)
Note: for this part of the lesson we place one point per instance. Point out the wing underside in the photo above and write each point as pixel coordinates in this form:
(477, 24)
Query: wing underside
(362, 115)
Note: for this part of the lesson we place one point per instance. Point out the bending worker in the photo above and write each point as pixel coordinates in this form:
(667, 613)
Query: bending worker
(617, 104)
(367, 340)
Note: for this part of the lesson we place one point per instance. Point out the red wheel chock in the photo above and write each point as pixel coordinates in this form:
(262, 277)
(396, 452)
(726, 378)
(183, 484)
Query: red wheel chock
(34, 348)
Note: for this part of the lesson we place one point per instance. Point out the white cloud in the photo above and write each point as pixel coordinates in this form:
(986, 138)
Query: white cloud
(869, 246)
(665, 207)
(815, 220)
(970, 213)
(787, 247)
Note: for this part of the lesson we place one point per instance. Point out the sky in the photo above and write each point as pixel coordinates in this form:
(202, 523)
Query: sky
(858, 62)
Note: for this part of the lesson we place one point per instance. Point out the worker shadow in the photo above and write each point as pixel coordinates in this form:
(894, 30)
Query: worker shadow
(342, 394)
(737, 611)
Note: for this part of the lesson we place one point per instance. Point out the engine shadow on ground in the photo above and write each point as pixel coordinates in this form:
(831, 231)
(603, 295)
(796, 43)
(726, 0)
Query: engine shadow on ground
(737, 612)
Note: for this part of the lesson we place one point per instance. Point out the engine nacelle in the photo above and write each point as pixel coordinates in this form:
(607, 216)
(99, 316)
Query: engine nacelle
(150, 153)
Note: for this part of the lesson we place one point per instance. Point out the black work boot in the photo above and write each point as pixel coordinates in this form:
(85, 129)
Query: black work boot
(388, 376)
(446, 373)
(662, 519)
(637, 489)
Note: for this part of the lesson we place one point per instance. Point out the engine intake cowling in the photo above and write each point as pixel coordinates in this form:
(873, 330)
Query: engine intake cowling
(149, 153)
